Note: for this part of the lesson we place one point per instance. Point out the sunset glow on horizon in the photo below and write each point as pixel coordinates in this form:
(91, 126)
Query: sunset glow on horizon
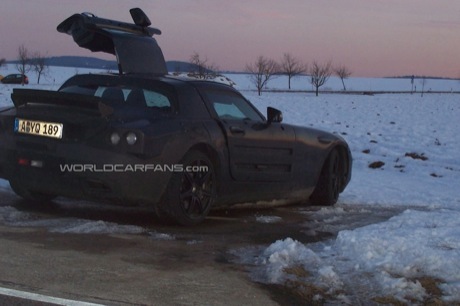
(373, 38)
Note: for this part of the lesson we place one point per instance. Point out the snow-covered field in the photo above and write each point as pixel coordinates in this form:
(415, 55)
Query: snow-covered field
(417, 142)
(355, 84)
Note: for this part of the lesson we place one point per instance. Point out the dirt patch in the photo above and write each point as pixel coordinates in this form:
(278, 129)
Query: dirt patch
(414, 155)
(376, 165)
(431, 286)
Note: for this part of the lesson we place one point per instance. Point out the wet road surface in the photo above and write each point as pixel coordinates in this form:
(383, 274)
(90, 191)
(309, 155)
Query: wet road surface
(154, 263)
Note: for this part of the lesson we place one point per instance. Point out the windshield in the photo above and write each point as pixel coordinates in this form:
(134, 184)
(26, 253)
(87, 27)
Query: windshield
(229, 105)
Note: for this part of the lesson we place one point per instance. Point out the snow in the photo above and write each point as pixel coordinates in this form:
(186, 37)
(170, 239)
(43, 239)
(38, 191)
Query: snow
(11, 216)
(387, 259)
(282, 254)
(161, 236)
(268, 219)
(406, 247)
(354, 84)
(389, 126)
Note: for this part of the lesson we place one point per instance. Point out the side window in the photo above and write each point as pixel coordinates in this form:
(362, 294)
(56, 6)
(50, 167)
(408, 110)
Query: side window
(229, 105)
(113, 95)
(103, 91)
(138, 97)
(153, 99)
(156, 99)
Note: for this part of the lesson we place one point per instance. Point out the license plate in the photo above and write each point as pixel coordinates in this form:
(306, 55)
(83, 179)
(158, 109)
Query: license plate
(40, 128)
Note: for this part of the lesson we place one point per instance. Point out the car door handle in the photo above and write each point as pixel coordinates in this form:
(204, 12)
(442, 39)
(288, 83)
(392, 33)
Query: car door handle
(236, 130)
(325, 139)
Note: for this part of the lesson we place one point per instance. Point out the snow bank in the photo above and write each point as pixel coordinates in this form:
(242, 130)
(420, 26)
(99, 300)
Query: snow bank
(283, 254)
(379, 260)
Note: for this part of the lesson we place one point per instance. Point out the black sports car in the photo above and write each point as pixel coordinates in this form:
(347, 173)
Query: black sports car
(142, 137)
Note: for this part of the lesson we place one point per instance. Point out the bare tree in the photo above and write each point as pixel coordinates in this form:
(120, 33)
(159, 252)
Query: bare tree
(2, 62)
(198, 64)
(343, 73)
(412, 78)
(291, 67)
(177, 69)
(423, 82)
(23, 64)
(39, 65)
(201, 68)
(262, 71)
(320, 73)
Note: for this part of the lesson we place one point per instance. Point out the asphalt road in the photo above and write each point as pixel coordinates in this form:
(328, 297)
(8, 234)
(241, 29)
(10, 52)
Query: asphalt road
(190, 266)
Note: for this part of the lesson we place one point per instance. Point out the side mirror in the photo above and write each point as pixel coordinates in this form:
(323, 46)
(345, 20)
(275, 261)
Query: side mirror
(274, 115)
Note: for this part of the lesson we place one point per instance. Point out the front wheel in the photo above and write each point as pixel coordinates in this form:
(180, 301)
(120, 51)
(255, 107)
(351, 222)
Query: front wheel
(329, 184)
(191, 193)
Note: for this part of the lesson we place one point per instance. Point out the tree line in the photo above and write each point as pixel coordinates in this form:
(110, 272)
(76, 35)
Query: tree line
(263, 69)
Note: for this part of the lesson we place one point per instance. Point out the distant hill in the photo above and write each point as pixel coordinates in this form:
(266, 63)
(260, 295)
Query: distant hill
(81, 62)
(417, 77)
(78, 62)
(97, 63)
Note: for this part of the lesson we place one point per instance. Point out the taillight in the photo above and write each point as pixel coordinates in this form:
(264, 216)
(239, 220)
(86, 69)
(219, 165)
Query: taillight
(23, 162)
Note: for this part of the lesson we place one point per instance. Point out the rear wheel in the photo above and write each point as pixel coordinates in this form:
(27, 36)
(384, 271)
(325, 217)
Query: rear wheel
(191, 193)
(30, 195)
(329, 184)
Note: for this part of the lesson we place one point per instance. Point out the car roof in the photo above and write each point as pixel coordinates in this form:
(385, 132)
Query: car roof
(142, 79)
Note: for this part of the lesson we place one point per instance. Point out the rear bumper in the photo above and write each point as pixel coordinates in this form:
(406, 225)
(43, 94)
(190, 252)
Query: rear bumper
(79, 171)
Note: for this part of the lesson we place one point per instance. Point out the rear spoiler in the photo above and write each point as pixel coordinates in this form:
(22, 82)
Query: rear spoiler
(24, 97)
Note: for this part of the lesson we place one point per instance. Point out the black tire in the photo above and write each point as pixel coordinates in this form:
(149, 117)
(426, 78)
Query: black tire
(329, 186)
(190, 194)
(30, 195)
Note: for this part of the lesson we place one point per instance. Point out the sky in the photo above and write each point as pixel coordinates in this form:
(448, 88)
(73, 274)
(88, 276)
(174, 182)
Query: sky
(372, 38)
